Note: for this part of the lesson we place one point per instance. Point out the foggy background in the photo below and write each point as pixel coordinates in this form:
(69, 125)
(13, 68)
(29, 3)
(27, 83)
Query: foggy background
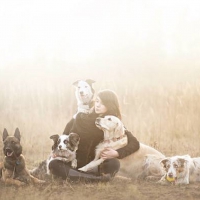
(74, 38)
(133, 47)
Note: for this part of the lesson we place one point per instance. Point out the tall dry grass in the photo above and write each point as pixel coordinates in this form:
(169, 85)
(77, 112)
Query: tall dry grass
(166, 117)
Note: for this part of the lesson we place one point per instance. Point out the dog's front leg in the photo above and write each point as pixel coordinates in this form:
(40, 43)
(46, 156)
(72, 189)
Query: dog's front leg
(8, 180)
(163, 181)
(74, 163)
(36, 180)
(91, 165)
(11, 181)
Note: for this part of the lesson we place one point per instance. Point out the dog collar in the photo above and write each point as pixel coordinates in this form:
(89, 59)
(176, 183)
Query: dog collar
(17, 162)
(114, 139)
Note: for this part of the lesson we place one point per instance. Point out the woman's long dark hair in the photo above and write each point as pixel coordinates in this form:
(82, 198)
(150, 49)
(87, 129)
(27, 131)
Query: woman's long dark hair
(110, 100)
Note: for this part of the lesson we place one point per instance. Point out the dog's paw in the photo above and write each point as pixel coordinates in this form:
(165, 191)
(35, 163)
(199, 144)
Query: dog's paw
(74, 164)
(83, 169)
(41, 182)
(19, 183)
(152, 178)
(163, 182)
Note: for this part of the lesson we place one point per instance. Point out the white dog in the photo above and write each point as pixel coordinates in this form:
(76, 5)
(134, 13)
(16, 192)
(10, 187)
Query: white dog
(64, 149)
(141, 164)
(84, 95)
(114, 137)
(180, 170)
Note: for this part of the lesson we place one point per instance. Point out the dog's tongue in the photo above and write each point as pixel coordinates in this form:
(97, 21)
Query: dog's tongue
(9, 153)
(83, 96)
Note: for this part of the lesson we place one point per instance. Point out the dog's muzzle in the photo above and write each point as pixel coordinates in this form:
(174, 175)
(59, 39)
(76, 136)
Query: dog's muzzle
(8, 152)
(97, 122)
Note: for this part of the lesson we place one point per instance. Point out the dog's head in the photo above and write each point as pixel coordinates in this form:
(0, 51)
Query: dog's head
(111, 125)
(65, 142)
(84, 90)
(12, 147)
(175, 167)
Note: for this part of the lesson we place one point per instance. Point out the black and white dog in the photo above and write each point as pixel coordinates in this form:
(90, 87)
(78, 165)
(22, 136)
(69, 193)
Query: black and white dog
(64, 149)
(84, 95)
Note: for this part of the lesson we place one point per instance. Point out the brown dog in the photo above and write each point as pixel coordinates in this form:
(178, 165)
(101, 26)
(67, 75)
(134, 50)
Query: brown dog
(14, 170)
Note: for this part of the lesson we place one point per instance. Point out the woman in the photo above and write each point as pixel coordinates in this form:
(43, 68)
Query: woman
(106, 103)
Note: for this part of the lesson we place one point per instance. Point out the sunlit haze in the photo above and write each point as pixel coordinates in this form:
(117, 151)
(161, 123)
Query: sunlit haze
(137, 39)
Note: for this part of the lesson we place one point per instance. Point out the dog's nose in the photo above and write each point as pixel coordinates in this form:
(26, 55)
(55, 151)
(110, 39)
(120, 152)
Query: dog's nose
(98, 119)
(170, 175)
(60, 147)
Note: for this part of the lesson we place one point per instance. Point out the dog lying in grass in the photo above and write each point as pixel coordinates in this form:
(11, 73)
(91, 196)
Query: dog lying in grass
(14, 171)
(180, 170)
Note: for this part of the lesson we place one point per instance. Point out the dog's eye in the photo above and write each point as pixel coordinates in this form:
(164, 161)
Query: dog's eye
(109, 119)
(65, 141)
(175, 166)
(167, 166)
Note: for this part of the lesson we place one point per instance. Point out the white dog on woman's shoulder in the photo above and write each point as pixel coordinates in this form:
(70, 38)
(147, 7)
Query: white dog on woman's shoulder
(180, 170)
(84, 95)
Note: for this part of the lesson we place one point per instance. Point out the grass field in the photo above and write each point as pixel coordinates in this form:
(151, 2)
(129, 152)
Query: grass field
(165, 116)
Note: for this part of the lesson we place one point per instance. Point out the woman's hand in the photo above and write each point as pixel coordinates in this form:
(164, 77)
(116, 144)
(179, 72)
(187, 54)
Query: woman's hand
(109, 153)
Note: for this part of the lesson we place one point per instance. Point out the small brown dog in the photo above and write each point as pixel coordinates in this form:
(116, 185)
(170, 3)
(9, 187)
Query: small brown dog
(14, 170)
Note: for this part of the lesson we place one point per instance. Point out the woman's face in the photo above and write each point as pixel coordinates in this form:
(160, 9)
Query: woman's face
(99, 107)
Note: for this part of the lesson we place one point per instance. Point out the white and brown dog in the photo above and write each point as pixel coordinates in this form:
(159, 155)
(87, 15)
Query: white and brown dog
(114, 137)
(64, 149)
(143, 163)
(84, 95)
(180, 170)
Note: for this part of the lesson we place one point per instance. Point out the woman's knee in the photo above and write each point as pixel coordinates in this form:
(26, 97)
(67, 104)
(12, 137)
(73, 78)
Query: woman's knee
(59, 168)
(110, 166)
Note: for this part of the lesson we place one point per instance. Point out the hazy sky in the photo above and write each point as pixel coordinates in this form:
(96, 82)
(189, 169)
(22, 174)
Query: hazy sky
(137, 35)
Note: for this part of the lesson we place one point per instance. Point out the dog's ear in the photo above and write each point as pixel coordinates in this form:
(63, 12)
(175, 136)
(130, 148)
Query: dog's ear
(54, 138)
(119, 130)
(17, 134)
(90, 81)
(182, 161)
(163, 162)
(75, 83)
(74, 139)
(5, 134)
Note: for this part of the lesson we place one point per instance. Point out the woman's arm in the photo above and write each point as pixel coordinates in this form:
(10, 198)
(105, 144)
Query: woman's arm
(132, 146)
(68, 127)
